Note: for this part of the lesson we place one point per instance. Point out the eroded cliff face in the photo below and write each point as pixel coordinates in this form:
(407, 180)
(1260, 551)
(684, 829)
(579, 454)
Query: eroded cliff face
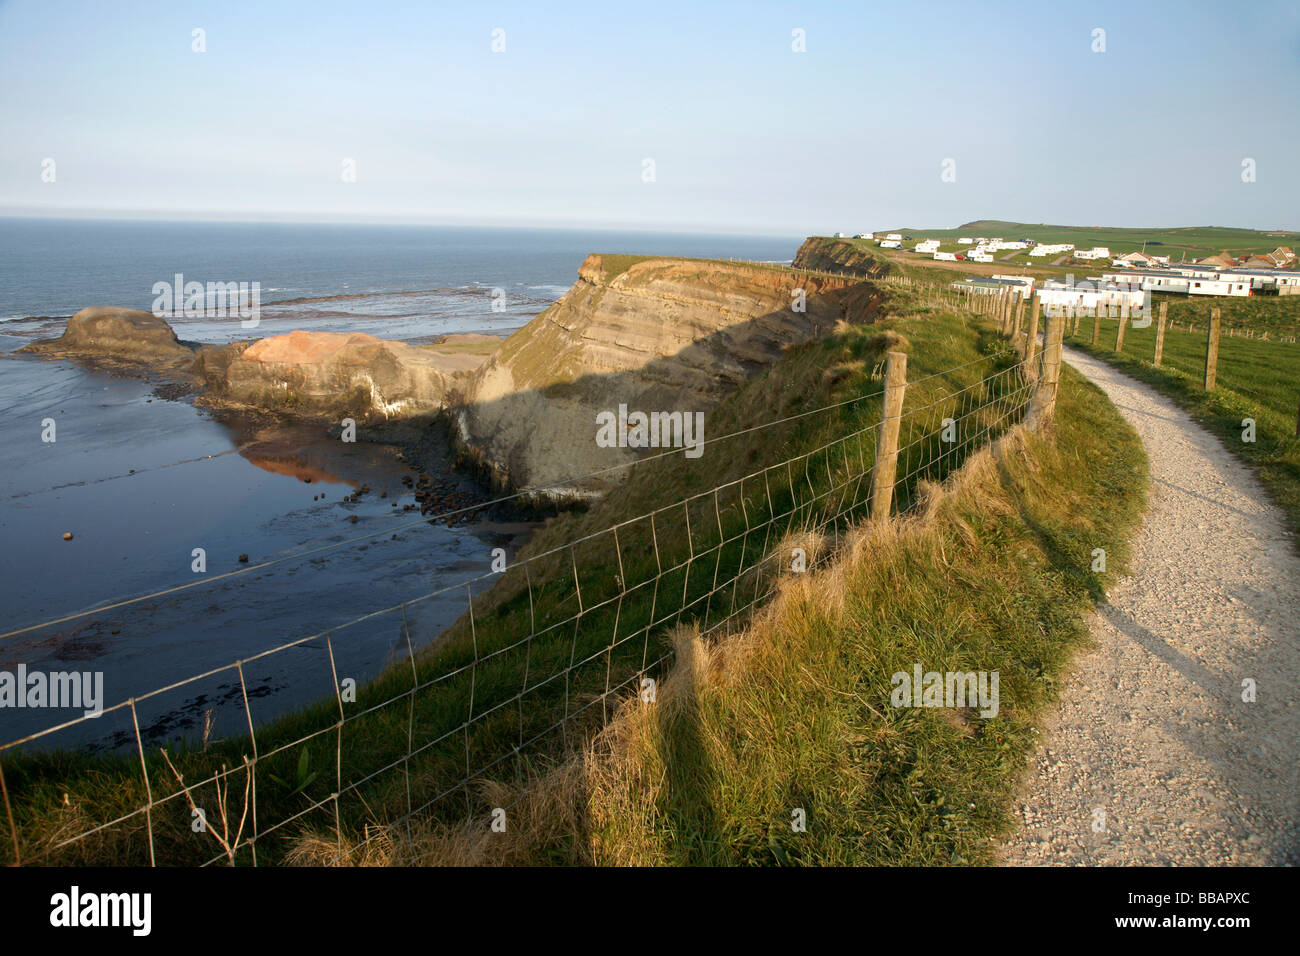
(839, 256)
(113, 335)
(662, 335)
(330, 369)
(649, 335)
(303, 373)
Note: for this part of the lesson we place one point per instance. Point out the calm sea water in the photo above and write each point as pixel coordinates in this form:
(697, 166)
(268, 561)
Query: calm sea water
(140, 482)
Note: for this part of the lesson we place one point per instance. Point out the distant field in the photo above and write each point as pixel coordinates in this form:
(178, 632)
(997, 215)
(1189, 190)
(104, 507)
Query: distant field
(1272, 313)
(1256, 312)
(1191, 241)
(1266, 371)
(1256, 379)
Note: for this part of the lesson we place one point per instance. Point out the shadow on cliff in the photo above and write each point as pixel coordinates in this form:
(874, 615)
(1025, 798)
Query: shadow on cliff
(543, 438)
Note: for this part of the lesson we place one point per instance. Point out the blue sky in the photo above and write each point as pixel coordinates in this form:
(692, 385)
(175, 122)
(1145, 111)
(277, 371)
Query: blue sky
(746, 135)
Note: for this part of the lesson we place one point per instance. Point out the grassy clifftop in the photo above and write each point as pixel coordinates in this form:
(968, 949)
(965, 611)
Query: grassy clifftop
(645, 333)
(789, 719)
(1175, 241)
(761, 717)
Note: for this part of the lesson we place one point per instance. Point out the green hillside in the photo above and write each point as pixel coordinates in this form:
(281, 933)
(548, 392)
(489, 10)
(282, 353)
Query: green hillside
(1176, 242)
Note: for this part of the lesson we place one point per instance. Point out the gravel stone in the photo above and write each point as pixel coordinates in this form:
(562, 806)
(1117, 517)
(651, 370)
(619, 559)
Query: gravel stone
(1151, 727)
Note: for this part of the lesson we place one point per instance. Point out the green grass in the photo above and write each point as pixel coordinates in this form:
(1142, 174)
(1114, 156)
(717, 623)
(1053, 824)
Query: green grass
(1012, 595)
(1192, 241)
(1275, 313)
(795, 714)
(481, 667)
(1255, 379)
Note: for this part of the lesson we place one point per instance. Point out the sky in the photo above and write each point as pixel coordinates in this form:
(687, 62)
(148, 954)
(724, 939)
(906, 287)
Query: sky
(697, 115)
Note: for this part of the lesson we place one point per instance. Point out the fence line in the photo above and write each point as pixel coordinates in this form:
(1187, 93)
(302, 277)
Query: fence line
(573, 627)
(424, 520)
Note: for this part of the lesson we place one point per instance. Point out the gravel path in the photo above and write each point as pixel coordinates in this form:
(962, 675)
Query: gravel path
(1151, 727)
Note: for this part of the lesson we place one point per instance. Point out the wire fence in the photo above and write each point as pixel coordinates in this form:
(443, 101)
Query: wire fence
(538, 661)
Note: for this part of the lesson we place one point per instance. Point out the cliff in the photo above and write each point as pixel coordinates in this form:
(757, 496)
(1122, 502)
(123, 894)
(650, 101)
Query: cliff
(301, 372)
(117, 336)
(841, 256)
(633, 334)
(665, 335)
(325, 370)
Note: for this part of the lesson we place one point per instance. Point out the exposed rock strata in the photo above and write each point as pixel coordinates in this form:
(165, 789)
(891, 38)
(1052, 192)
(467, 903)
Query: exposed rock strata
(653, 334)
(129, 335)
(662, 335)
(319, 369)
(838, 256)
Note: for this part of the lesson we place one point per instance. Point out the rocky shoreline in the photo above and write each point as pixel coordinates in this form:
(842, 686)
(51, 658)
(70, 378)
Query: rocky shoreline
(261, 405)
(665, 334)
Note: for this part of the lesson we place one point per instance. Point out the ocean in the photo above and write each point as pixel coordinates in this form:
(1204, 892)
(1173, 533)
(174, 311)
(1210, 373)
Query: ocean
(141, 481)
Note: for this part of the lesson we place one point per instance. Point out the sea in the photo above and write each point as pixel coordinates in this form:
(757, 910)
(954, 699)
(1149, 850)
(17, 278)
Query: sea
(145, 484)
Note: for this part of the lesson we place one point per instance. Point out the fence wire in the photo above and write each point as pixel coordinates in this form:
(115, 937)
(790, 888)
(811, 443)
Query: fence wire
(535, 664)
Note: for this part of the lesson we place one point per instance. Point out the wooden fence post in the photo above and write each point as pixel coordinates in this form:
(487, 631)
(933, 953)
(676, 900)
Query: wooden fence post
(1031, 340)
(1042, 402)
(1096, 325)
(883, 472)
(1015, 324)
(1123, 321)
(1212, 349)
(1160, 333)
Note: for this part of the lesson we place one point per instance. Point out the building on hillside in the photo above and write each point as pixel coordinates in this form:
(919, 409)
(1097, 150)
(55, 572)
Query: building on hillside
(1279, 258)
(1219, 261)
(1051, 249)
(927, 245)
(1226, 285)
(1193, 269)
(894, 237)
(1159, 260)
(979, 257)
(1055, 294)
(965, 241)
(1266, 280)
(1025, 282)
(990, 285)
(1151, 281)
(946, 256)
(1133, 260)
(891, 244)
(1154, 280)
(864, 235)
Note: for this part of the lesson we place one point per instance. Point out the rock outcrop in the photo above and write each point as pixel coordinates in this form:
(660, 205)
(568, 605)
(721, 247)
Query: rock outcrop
(642, 334)
(839, 256)
(326, 370)
(301, 372)
(126, 335)
(667, 335)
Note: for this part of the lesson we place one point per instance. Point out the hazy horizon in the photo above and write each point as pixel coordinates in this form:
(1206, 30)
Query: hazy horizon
(764, 119)
(583, 226)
